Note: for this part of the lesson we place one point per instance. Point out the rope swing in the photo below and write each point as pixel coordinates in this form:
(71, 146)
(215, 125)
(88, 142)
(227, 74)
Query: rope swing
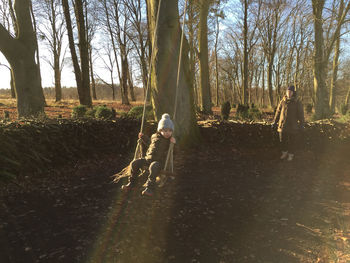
(138, 151)
(170, 157)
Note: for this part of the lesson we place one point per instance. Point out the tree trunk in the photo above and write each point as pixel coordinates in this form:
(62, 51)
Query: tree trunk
(192, 53)
(130, 83)
(124, 73)
(245, 54)
(297, 66)
(144, 67)
(109, 28)
(56, 56)
(15, 29)
(269, 80)
(76, 67)
(84, 92)
(332, 91)
(57, 72)
(203, 57)
(36, 45)
(263, 84)
(319, 64)
(112, 86)
(347, 97)
(12, 85)
(216, 61)
(93, 83)
(20, 53)
(164, 72)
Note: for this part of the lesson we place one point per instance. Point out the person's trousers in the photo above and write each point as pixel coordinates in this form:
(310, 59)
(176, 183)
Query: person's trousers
(288, 141)
(153, 167)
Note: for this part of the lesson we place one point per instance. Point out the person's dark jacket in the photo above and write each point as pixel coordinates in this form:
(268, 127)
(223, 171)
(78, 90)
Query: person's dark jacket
(158, 147)
(289, 115)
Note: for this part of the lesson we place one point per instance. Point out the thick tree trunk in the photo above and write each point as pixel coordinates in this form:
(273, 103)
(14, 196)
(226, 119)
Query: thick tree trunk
(203, 57)
(319, 64)
(20, 53)
(30, 95)
(164, 72)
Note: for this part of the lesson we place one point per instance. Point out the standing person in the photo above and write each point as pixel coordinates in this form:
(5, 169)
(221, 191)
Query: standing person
(155, 156)
(289, 119)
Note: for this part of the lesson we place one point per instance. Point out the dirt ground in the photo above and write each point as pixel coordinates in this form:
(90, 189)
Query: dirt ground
(229, 202)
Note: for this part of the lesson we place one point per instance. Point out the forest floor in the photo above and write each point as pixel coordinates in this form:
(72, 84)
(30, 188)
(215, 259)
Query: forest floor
(229, 202)
(64, 108)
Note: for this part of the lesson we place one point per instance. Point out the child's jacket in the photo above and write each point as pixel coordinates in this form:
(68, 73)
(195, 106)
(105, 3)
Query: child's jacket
(158, 148)
(288, 113)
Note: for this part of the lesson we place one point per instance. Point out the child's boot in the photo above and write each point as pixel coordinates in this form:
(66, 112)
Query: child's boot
(149, 188)
(284, 155)
(131, 184)
(147, 192)
(290, 157)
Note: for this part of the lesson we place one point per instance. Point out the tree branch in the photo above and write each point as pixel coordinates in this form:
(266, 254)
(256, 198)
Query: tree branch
(7, 42)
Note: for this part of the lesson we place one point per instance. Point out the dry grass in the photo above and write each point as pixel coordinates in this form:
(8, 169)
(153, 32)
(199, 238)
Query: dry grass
(63, 108)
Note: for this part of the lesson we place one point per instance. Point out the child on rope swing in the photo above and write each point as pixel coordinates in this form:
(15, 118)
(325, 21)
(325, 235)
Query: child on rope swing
(290, 119)
(155, 156)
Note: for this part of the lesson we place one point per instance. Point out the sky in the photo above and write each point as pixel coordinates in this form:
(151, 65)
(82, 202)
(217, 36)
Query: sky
(47, 77)
(47, 74)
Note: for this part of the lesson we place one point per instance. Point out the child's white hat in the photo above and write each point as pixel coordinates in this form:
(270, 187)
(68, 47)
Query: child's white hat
(165, 122)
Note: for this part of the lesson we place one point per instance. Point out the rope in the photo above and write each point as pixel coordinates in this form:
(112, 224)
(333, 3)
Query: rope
(138, 147)
(169, 157)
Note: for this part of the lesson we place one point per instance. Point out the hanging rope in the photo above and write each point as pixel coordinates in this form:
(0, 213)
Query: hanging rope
(138, 153)
(170, 157)
(138, 147)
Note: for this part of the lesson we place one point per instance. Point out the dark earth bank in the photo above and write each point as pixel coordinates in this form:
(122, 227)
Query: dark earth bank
(232, 200)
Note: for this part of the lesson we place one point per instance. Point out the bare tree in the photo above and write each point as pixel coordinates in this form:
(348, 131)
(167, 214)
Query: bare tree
(91, 19)
(138, 35)
(109, 65)
(9, 22)
(322, 53)
(20, 53)
(269, 27)
(82, 71)
(53, 32)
